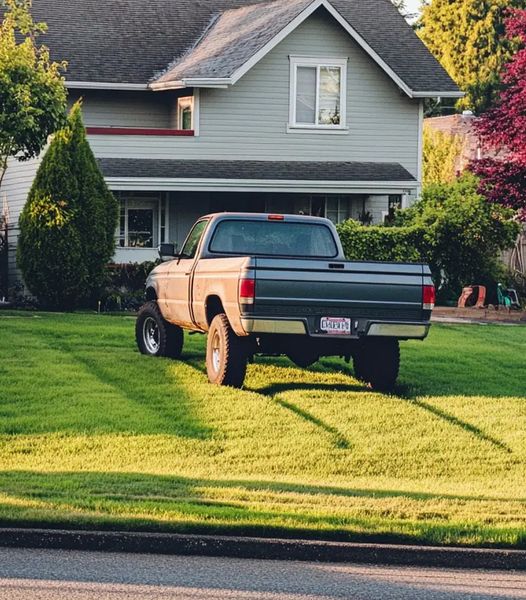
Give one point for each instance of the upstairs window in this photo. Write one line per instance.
(185, 113)
(318, 98)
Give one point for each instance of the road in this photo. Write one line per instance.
(69, 575)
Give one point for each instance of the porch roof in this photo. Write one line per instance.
(232, 170)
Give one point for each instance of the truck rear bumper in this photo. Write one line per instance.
(300, 327)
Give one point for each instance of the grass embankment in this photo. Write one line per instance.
(93, 434)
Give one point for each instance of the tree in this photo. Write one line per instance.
(468, 38)
(32, 91)
(441, 153)
(68, 224)
(502, 129)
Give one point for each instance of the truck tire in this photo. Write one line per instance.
(155, 336)
(377, 362)
(226, 354)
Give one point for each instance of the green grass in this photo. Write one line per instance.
(92, 434)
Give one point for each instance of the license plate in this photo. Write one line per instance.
(336, 325)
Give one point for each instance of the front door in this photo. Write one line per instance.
(178, 293)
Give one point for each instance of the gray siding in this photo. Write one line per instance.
(250, 119)
(16, 185)
(126, 109)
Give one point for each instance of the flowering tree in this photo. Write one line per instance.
(503, 130)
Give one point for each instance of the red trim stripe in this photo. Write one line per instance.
(138, 131)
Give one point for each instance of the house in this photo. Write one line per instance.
(290, 106)
(463, 127)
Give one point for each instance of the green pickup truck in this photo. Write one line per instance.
(262, 284)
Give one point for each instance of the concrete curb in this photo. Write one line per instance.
(266, 549)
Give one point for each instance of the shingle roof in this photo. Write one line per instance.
(254, 169)
(130, 41)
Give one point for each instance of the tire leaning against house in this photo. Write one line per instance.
(155, 336)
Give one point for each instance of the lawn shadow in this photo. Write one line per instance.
(144, 502)
(170, 414)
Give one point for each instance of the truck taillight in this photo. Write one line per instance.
(247, 291)
(429, 297)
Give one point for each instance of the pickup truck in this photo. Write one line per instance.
(261, 284)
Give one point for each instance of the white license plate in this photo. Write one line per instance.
(336, 325)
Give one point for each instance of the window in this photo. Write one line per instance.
(143, 220)
(185, 113)
(394, 205)
(318, 98)
(193, 239)
(273, 238)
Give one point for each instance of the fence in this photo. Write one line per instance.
(515, 258)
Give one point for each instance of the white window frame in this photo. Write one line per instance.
(302, 61)
(134, 200)
(182, 103)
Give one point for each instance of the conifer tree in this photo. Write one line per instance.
(468, 38)
(68, 225)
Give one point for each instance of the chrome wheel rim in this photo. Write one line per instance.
(150, 333)
(216, 352)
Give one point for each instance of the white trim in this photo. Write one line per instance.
(318, 63)
(99, 85)
(197, 112)
(258, 185)
(182, 103)
(458, 94)
(307, 129)
(219, 83)
(420, 147)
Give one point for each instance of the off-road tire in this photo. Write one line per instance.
(226, 354)
(377, 363)
(155, 336)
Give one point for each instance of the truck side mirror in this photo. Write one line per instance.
(167, 251)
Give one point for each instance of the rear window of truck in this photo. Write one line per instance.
(273, 238)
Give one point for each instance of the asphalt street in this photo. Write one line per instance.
(72, 575)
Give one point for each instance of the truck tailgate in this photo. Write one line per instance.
(321, 288)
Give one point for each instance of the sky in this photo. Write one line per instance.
(413, 5)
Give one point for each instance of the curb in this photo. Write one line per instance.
(265, 549)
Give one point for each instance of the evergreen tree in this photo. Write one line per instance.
(468, 38)
(68, 225)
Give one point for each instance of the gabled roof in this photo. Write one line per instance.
(126, 43)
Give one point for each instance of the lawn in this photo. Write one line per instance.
(92, 434)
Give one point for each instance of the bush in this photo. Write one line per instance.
(395, 244)
(125, 284)
(68, 224)
(453, 228)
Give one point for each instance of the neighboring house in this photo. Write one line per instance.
(461, 126)
(291, 106)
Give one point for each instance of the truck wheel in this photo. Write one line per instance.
(377, 362)
(155, 336)
(226, 354)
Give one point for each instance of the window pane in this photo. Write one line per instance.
(140, 228)
(273, 238)
(330, 93)
(186, 118)
(306, 95)
(192, 243)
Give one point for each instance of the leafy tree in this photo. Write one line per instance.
(453, 228)
(68, 224)
(32, 91)
(468, 38)
(502, 129)
(441, 153)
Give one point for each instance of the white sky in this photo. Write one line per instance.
(413, 5)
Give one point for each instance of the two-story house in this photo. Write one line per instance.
(198, 106)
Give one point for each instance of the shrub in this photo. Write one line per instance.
(68, 224)
(453, 228)
(124, 289)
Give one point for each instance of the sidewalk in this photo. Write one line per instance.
(442, 314)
